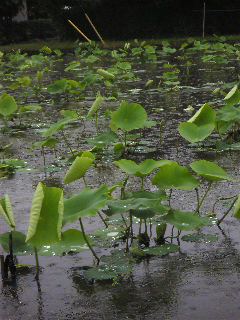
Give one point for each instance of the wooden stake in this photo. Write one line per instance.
(94, 28)
(78, 30)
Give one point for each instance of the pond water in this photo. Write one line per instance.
(202, 281)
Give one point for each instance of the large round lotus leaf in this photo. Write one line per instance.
(86, 204)
(140, 170)
(186, 220)
(193, 133)
(129, 116)
(209, 170)
(175, 176)
(7, 105)
(205, 115)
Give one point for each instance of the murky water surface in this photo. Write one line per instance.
(202, 282)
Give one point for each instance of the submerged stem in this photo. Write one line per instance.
(87, 242)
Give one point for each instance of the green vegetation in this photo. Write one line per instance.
(138, 222)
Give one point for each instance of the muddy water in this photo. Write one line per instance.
(200, 282)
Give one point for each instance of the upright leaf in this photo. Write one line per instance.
(78, 169)
(46, 216)
(7, 212)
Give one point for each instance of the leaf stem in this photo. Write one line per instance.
(204, 196)
(37, 263)
(88, 243)
(227, 212)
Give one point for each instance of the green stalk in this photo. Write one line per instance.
(227, 212)
(37, 264)
(87, 242)
(204, 197)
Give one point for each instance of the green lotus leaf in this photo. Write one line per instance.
(137, 202)
(7, 105)
(209, 170)
(140, 170)
(95, 106)
(193, 133)
(20, 247)
(205, 115)
(175, 176)
(233, 97)
(7, 212)
(72, 241)
(200, 237)
(78, 169)
(128, 117)
(200, 126)
(162, 250)
(186, 220)
(86, 204)
(46, 216)
(59, 86)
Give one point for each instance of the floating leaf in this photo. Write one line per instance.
(161, 250)
(200, 237)
(129, 116)
(175, 176)
(209, 170)
(86, 204)
(46, 216)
